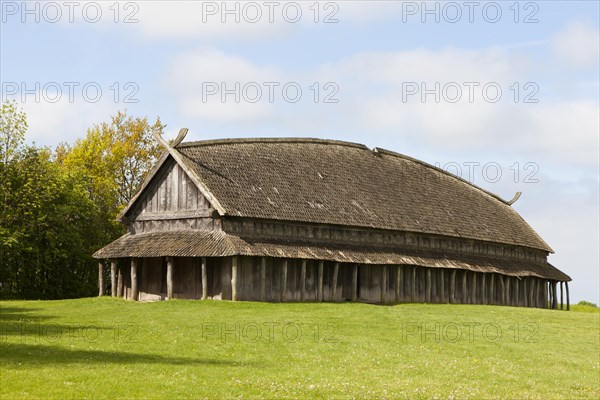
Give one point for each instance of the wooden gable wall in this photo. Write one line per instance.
(172, 201)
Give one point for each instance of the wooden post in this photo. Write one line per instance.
(336, 268)
(170, 278)
(134, 282)
(354, 281)
(517, 291)
(398, 283)
(263, 278)
(119, 282)
(474, 299)
(413, 288)
(452, 286)
(484, 291)
(234, 278)
(428, 286)
(464, 287)
(508, 296)
(303, 280)
(442, 279)
(383, 283)
(502, 290)
(554, 296)
(100, 279)
(320, 285)
(531, 281)
(113, 278)
(284, 280)
(204, 279)
(561, 295)
(568, 303)
(492, 291)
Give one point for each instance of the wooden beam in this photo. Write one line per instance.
(113, 278)
(568, 302)
(100, 279)
(484, 291)
(234, 278)
(336, 268)
(443, 273)
(474, 299)
(517, 292)
(284, 280)
(531, 283)
(464, 296)
(204, 279)
(354, 281)
(119, 282)
(508, 291)
(428, 286)
(320, 284)
(561, 295)
(384, 273)
(554, 296)
(452, 286)
(134, 282)
(263, 278)
(502, 290)
(398, 283)
(492, 289)
(169, 278)
(303, 280)
(413, 286)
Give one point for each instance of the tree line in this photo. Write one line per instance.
(60, 205)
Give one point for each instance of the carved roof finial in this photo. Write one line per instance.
(173, 143)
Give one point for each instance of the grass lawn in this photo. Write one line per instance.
(109, 348)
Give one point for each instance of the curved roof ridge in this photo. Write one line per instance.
(437, 169)
(211, 142)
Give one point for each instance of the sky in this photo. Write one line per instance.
(504, 94)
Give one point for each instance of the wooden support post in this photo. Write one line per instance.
(413, 288)
(568, 302)
(100, 279)
(134, 282)
(508, 291)
(284, 280)
(452, 286)
(354, 281)
(119, 282)
(204, 279)
(234, 278)
(398, 283)
(320, 285)
(554, 296)
(561, 295)
(428, 287)
(336, 269)
(531, 284)
(442, 280)
(517, 293)
(384, 283)
(502, 290)
(484, 291)
(113, 278)
(474, 299)
(464, 298)
(263, 278)
(170, 278)
(303, 280)
(492, 289)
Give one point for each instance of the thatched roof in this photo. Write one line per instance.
(340, 183)
(221, 244)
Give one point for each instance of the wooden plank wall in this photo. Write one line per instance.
(294, 280)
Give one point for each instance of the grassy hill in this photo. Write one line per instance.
(108, 348)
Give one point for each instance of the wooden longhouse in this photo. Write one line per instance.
(321, 220)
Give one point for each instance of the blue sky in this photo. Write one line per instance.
(172, 59)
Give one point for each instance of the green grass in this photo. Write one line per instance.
(108, 348)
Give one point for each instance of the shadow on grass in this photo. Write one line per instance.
(27, 356)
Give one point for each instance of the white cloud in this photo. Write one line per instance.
(578, 45)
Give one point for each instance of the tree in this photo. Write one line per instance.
(13, 125)
(116, 155)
